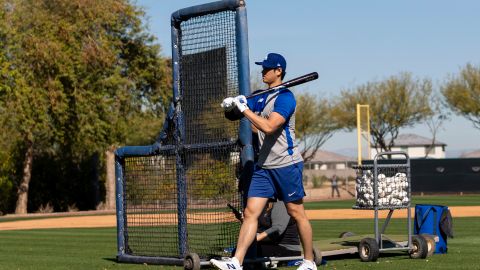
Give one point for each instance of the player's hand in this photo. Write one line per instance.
(241, 103)
(228, 104)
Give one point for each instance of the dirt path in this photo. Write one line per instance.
(457, 211)
(95, 221)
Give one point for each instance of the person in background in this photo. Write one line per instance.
(335, 185)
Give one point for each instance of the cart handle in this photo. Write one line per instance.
(377, 156)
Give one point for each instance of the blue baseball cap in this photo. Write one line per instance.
(274, 60)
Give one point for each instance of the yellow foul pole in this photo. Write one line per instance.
(363, 131)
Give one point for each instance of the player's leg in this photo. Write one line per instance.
(297, 211)
(260, 190)
(247, 234)
(289, 186)
(248, 231)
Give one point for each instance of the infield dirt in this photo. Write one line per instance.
(94, 221)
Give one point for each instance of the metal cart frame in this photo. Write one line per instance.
(384, 167)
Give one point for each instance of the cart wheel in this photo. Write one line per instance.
(191, 262)
(317, 256)
(430, 244)
(368, 250)
(346, 234)
(420, 247)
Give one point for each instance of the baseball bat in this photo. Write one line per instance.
(299, 80)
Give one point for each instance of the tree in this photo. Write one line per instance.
(435, 120)
(396, 102)
(8, 80)
(462, 93)
(313, 124)
(90, 77)
(23, 106)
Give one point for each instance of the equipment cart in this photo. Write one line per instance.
(383, 185)
(386, 185)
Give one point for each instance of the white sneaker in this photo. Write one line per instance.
(307, 265)
(227, 264)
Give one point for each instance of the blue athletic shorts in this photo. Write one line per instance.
(283, 183)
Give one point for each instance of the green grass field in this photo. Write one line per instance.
(96, 248)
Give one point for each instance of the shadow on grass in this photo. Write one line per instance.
(355, 256)
(110, 260)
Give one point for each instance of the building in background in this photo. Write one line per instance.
(417, 146)
(327, 164)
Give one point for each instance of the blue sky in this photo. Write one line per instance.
(352, 42)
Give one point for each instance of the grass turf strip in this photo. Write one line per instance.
(448, 200)
(96, 248)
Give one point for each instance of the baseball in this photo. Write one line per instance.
(391, 190)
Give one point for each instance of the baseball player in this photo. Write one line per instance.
(278, 171)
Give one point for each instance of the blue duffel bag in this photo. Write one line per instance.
(434, 220)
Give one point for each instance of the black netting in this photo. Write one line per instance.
(208, 74)
(151, 205)
(207, 151)
(211, 185)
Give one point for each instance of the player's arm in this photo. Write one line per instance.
(280, 219)
(263, 236)
(231, 111)
(266, 125)
(254, 129)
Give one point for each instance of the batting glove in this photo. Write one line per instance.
(228, 104)
(241, 102)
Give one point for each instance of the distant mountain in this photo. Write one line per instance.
(456, 153)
